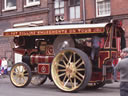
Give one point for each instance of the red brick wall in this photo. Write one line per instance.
(125, 26)
(90, 9)
(24, 19)
(44, 3)
(119, 7)
(0, 7)
(20, 5)
(20, 15)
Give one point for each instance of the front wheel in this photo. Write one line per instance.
(71, 70)
(20, 75)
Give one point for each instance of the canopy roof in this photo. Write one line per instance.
(56, 30)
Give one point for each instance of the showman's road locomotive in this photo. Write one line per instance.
(62, 53)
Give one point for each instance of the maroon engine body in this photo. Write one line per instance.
(38, 58)
(43, 62)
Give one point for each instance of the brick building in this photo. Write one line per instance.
(20, 13)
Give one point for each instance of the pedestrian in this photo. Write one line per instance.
(122, 67)
(4, 66)
(9, 62)
(115, 61)
(0, 66)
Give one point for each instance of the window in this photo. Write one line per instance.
(59, 10)
(10, 4)
(32, 2)
(103, 8)
(74, 9)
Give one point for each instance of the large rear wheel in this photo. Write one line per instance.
(71, 70)
(20, 75)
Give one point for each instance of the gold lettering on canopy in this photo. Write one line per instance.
(56, 32)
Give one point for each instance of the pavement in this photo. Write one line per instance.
(49, 89)
(113, 85)
(110, 85)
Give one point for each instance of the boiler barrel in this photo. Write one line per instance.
(38, 58)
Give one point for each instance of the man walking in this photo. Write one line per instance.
(115, 61)
(122, 67)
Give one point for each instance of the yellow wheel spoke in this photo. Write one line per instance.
(66, 82)
(61, 65)
(20, 68)
(77, 61)
(23, 70)
(17, 69)
(19, 79)
(82, 76)
(64, 63)
(23, 78)
(15, 72)
(70, 58)
(62, 74)
(61, 70)
(65, 57)
(16, 78)
(64, 78)
(74, 82)
(77, 77)
(26, 74)
(80, 64)
(71, 82)
(81, 69)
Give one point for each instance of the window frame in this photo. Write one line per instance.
(59, 8)
(103, 15)
(6, 8)
(75, 13)
(34, 3)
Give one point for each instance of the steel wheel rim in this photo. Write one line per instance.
(19, 75)
(68, 70)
